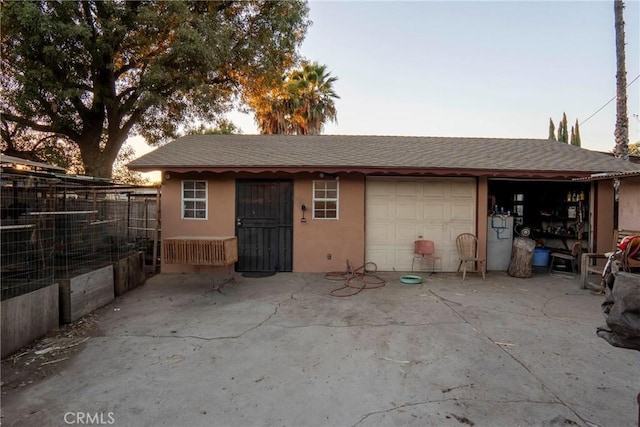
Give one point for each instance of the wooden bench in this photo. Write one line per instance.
(587, 263)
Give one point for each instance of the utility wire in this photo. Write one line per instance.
(608, 102)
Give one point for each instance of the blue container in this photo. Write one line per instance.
(541, 257)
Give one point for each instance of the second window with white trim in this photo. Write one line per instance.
(325, 199)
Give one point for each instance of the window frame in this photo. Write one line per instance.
(325, 199)
(194, 200)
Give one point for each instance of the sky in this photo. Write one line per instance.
(473, 69)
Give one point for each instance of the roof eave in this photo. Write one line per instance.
(609, 175)
(371, 170)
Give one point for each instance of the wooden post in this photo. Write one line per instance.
(156, 232)
(128, 214)
(521, 257)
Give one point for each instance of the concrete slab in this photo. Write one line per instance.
(281, 351)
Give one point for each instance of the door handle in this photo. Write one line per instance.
(239, 222)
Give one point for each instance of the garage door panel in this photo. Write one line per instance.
(404, 234)
(462, 212)
(398, 211)
(450, 260)
(379, 211)
(432, 210)
(380, 257)
(460, 189)
(407, 189)
(403, 259)
(457, 229)
(381, 233)
(435, 233)
(382, 188)
(406, 211)
(434, 189)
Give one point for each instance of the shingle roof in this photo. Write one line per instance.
(377, 154)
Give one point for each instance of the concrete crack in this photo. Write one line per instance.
(543, 314)
(526, 368)
(275, 311)
(395, 408)
(561, 319)
(304, 284)
(393, 319)
(228, 337)
(368, 325)
(456, 399)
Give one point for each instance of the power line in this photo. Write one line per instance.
(608, 102)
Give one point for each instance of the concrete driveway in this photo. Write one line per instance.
(280, 351)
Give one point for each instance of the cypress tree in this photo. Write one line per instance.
(562, 133)
(577, 142)
(572, 138)
(565, 129)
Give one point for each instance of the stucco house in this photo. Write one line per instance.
(310, 203)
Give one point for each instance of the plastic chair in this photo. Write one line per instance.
(424, 249)
(467, 245)
(573, 257)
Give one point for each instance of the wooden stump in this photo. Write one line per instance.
(521, 257)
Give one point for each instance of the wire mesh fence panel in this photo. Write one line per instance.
(143, 228)
(26, 241)
(56, 227)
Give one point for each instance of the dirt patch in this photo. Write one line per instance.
(46, 356)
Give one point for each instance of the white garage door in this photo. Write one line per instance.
(400, 211)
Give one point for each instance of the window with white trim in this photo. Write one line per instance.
(325, 199)
(194, 199)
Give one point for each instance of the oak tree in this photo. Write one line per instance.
(96, 72)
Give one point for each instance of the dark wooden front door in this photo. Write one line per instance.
(264, 225)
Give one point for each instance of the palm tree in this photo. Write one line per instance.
(298, 105)
(311, 90)
(271, 114)
(621, 132)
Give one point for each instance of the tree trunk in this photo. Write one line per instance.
(100, 168)
(621, 132)
(99, 162)
(521, 257)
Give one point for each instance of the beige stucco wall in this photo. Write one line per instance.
(312, 240)
(220, 220)
(342, 238)
(629, 204)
